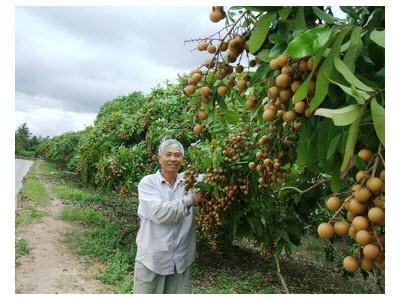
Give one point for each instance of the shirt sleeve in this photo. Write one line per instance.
(159, 211)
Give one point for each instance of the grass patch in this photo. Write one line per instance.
(68, 192)
(34, 190)
(21, 248)
(104, 243)
(86, 216)
(47, 168)
(117, 274)
(27, 216)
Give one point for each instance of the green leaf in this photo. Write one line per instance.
(309, 42)
(300, 21)
(327, 18)
(336, 184)
(333, 144)
(360, 163)
(285, 12)
(378, 117)
(276, 50)
(263, 55)
(302, 91)
(349, 76)
(351, 141)
(325, 71)
(354, 51)
(260, 32)
(340, 116)
(260, 74)
(204, 186)
(378, 37)
(359, 95)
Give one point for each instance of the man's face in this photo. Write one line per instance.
(171, 160)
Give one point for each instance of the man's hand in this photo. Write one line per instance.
(199, 197)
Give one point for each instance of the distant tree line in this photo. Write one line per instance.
(26, 144)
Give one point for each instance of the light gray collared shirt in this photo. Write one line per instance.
(166, 238)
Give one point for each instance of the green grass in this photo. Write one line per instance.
(47, 168)
(116, 273)
(86, 215)
(69, 192)
(34, 190)
(21, 248)
(103, 242)
(28, 215)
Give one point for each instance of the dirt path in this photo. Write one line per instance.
(50, 267)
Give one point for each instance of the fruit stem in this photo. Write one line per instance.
(340, 209)
(223, 39)
(306, 190)
(376, 162)
(377, 239)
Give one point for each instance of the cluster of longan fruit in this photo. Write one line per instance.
(291, 75)
(267, 165)
(365, 218)
(238, 145)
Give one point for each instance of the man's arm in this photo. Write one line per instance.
(162, 212)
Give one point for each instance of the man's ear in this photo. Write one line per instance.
(158, 158)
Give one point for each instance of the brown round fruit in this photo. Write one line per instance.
(361, 175)
(371, 251)
(325, 231)
(367, 264)
(222, 90)
(205, 91)
(310, 63)
(284, 95)
(198, 128)
(351, 264)
(309, 112)
(202, 114)
(217, 15)
(289, 116)
(362, 195)
(273, 92)
(363, 237)
(282, 80)
(365, 154)
(202, 46)
(269, 115)
(273, 64)
(341, 228)
(360, 222)
(333, 203)
(287, 70)
(189, 90)
(379, 201)
(252, 165)
(352, 232)
(382, 175)
(295, 86)
(281, 60)
(376, 215)
(211, 49)
(300, 107)
(374, 184)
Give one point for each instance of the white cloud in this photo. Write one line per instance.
(53, 121)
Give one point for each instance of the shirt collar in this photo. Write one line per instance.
(179, 177)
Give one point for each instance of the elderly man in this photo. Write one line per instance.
(166, 239)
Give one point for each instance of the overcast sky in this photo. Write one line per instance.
(71, 60)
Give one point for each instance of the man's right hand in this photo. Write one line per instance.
(199, 197)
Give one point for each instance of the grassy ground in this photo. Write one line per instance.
(108, 228)
(31, 197)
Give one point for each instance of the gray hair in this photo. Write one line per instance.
(168, 142)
